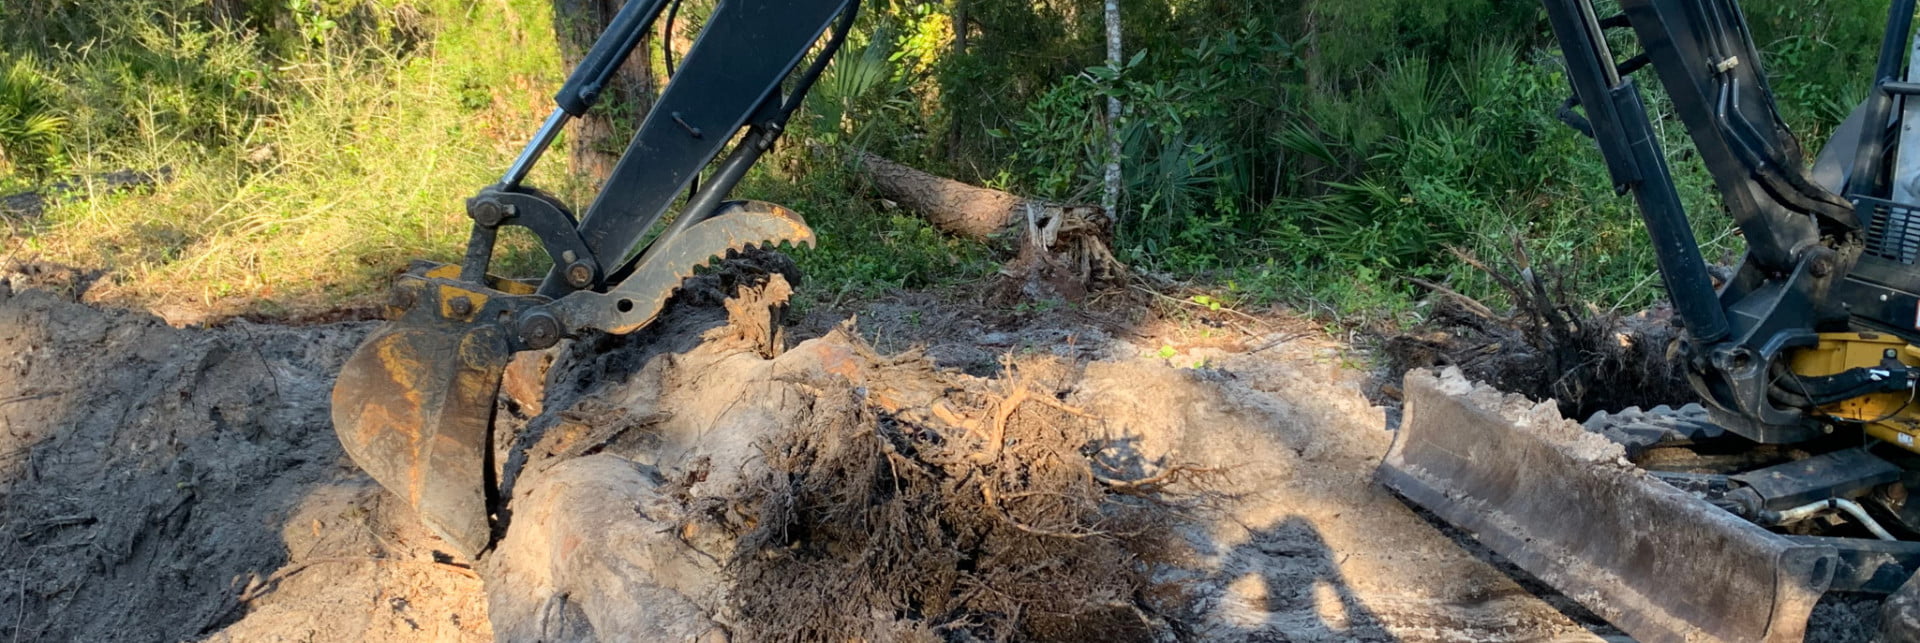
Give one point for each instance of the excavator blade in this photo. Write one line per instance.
(413, 407)
(1565, 505)
(414, 404)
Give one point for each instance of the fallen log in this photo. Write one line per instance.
(1062, 250)
(960, 209)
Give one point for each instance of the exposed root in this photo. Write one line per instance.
(1584, 358)
(1063, 254)
(987, 516)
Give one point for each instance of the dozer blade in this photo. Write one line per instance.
(1567, 507)
(413, 407)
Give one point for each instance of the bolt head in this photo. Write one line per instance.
(489, 212)
(401, 298)
(539, 330)
(579, 275)
(461, 306)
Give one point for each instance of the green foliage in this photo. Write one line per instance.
(30, 127)
(315, 145)
(1820, 56)
(1324, 151)
(1354, 37)
(862, 250)
(859, 81)
(1320, 152)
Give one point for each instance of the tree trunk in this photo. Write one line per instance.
(598, 138)
(1110, 197)
(1061, 250)
(954, 207)
(960, 27)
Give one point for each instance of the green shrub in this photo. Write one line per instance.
(1321, 152)
(31, 128)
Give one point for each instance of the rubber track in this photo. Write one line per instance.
(1639, 430)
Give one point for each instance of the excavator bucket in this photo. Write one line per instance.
(1566, 506)
(414, 404)
(413, 407)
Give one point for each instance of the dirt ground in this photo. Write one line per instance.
(162, 484)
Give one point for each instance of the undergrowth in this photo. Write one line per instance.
(1321, 153)
(1328, 154)
(314, 147)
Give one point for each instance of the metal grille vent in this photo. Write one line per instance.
(1893, 229)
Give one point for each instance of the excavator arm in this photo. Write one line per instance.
(1802, 239)
(1804, 360)
(414, 405)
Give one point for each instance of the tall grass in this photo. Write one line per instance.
(1321, 152)
(314, 147)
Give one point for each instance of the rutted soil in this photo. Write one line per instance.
(157, 484)
(165, 484)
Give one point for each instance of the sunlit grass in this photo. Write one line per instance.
(344, 163)
(316, 148)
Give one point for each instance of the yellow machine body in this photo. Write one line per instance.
(1892, 417)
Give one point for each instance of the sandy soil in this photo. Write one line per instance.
(161, 484)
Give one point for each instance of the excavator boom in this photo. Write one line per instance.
(414, 405)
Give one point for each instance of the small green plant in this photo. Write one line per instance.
(31, 129)
(1036, 306)
(312, 19)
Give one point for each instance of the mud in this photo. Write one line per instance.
(166, 484)
(163, 484)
